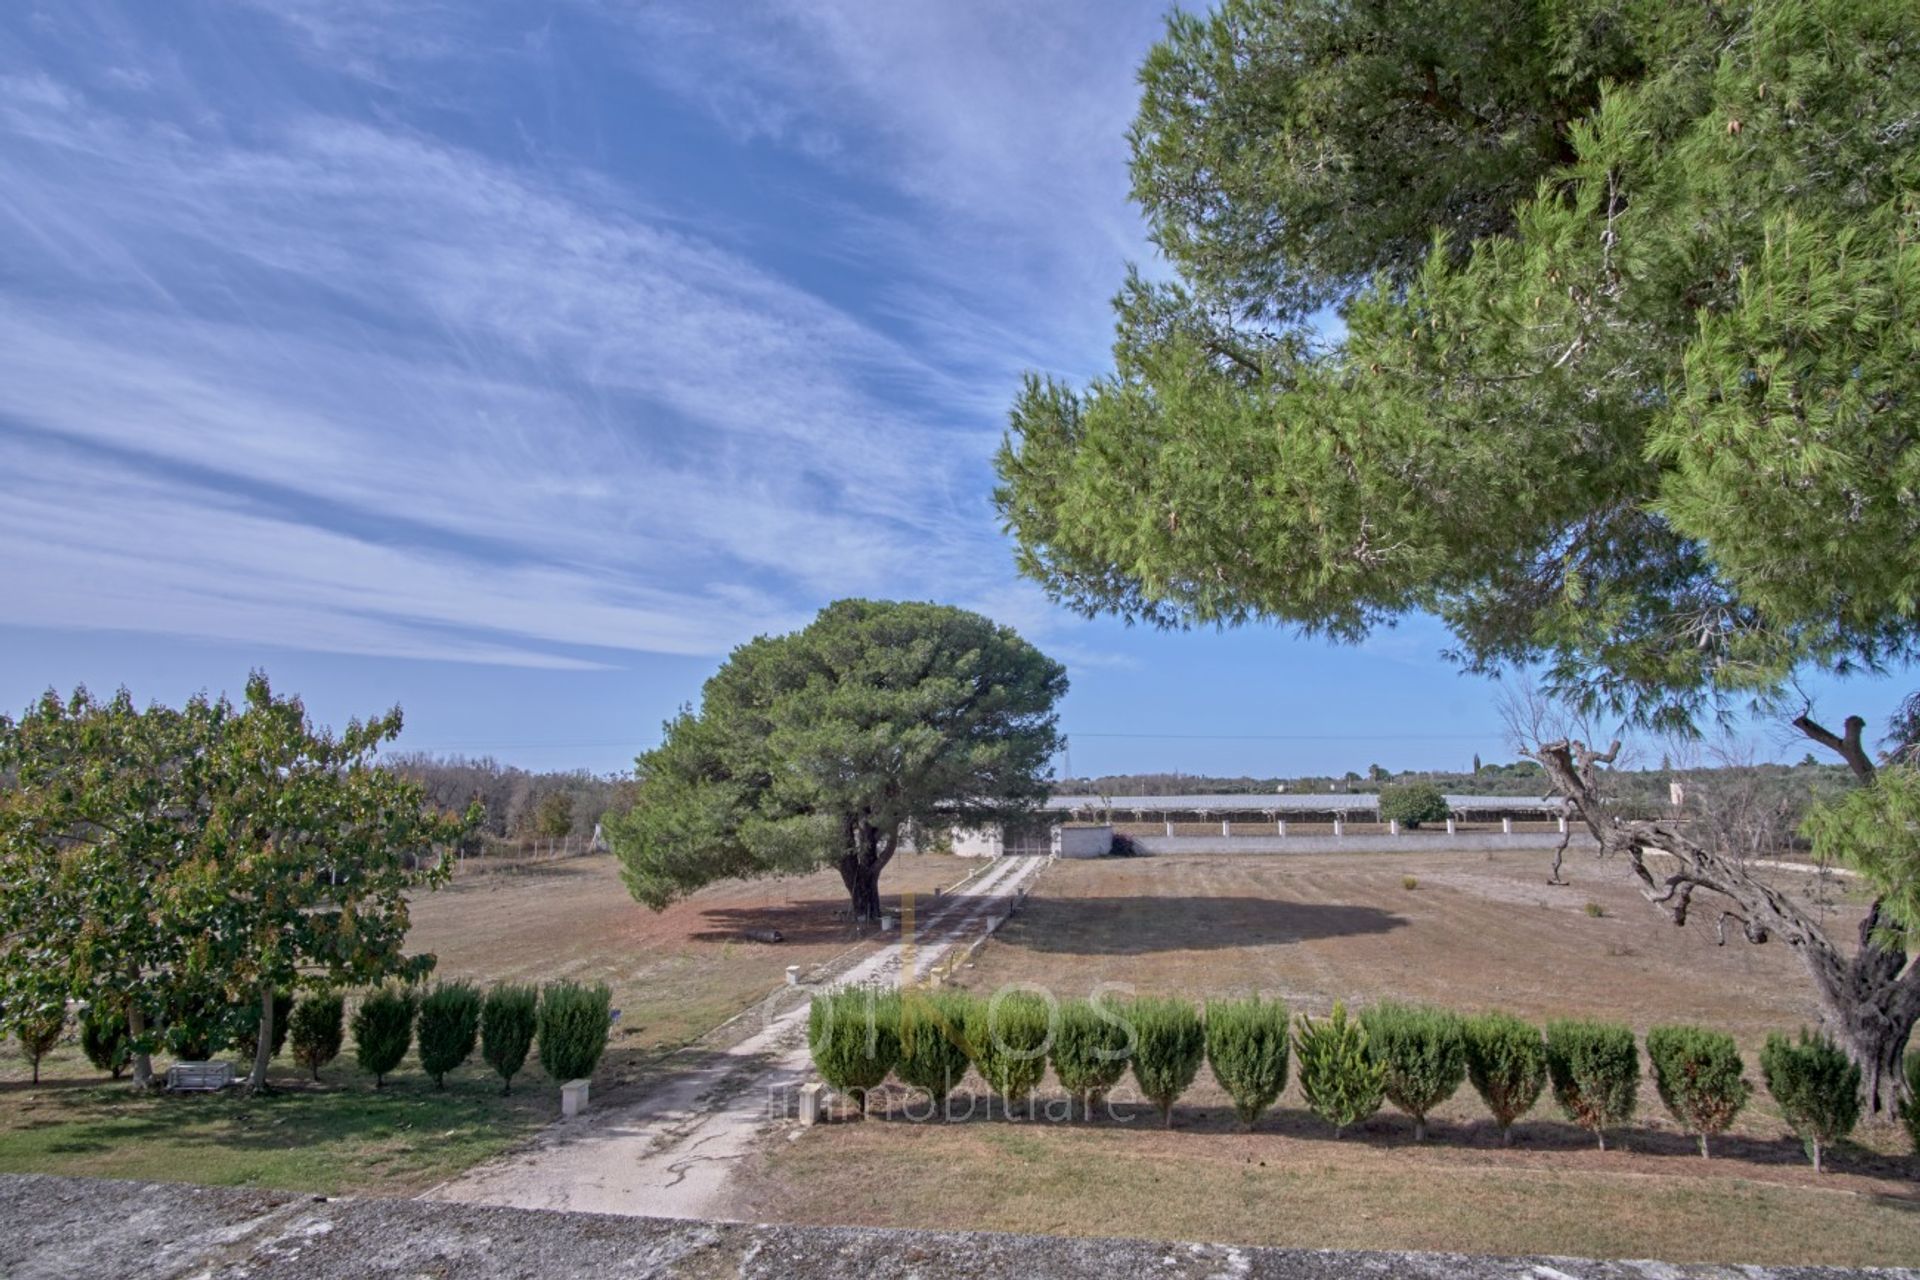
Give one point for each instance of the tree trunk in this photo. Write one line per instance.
(137, 1031)
(863, 887)
(263, 1047)
(1419, 1128)
(1870, 1000)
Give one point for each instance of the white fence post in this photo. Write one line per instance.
(1393, 826)
(1506, 826)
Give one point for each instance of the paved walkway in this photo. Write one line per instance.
(669, 1154)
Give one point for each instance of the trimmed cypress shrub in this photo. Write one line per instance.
(574, 1021)
(1507, 1063)
(1091, 1048)
(1424, 1051)
(1169, 1043)
(508, 1018)
(854, 1036)
(38, 1031)
(1817, 1087)
(1010, 1035)
(933, 1041)
(105, 1040)
(315, 1028)
(1595, 1069)
(382, 1030)
(1247, 1051)
(449, 1023)
(1342, 1081)
(246, 1041)
(1698, 1074)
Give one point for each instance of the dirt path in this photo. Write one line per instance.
(669, 1154)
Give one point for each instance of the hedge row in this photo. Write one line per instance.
(567, 1022)
(1414, 1057)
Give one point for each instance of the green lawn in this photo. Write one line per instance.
(338, 1136)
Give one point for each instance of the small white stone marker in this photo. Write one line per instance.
(813, 1103)
(889, 923)
(573, 1098)
(1450, 826)
(1393, 826)
(793, 975)
(1506, 826)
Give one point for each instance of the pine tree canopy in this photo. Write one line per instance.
(1631, 353)
(827, 745)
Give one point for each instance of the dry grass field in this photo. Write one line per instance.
(1475, 933)
(675, 975)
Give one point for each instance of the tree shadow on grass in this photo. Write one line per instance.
(1135, 926)
(812, 921)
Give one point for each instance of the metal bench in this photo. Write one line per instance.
(199, 1077)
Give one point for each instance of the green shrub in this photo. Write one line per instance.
(508, 1018)
(933, 1041)
(1698, 1074)
(1595, 1069)
(1342, 1081)
(38, 1031)
(200, 1021)
(247, 1040)
(574, 1022)
(854, 1036)
(315, 1028)
(104, 1038)
(1247, 1046)
(1412, 803)
(1910, 1109)
(1010, 1035)
(1817, 1088)
(449, 1024)
(383, 1029)
(1091, 1048)
(1424, 1052)
(1507, 1064)
(1409, 883)
(1169, 1043)
(1595, 910)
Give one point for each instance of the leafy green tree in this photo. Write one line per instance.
(575, 1019)
(1092, 1045)
(100, 838)
(313, 850)
(1424, 1052)
(1009, 1036)
(821, 747)
(1412, 803)
(1595, 1071)
(1623, 385)
(37, 1026)
(448, 1026)
(853, 1036)
(1169, 1043)
(105, 1040)
(1699, 1076)
(553, 817)
(383, 1029)
(933, 1041)
(1817, 1087)
(316, 1030)
(508, 1020)
(1247, 1050)
(1342, 1081)
(1507, 1063)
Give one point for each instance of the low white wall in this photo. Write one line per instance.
(1083, 842)
(1409, 843)
(977, 842)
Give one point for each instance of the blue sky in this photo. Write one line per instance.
(514, 361)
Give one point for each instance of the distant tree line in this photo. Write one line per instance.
(519, 803)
